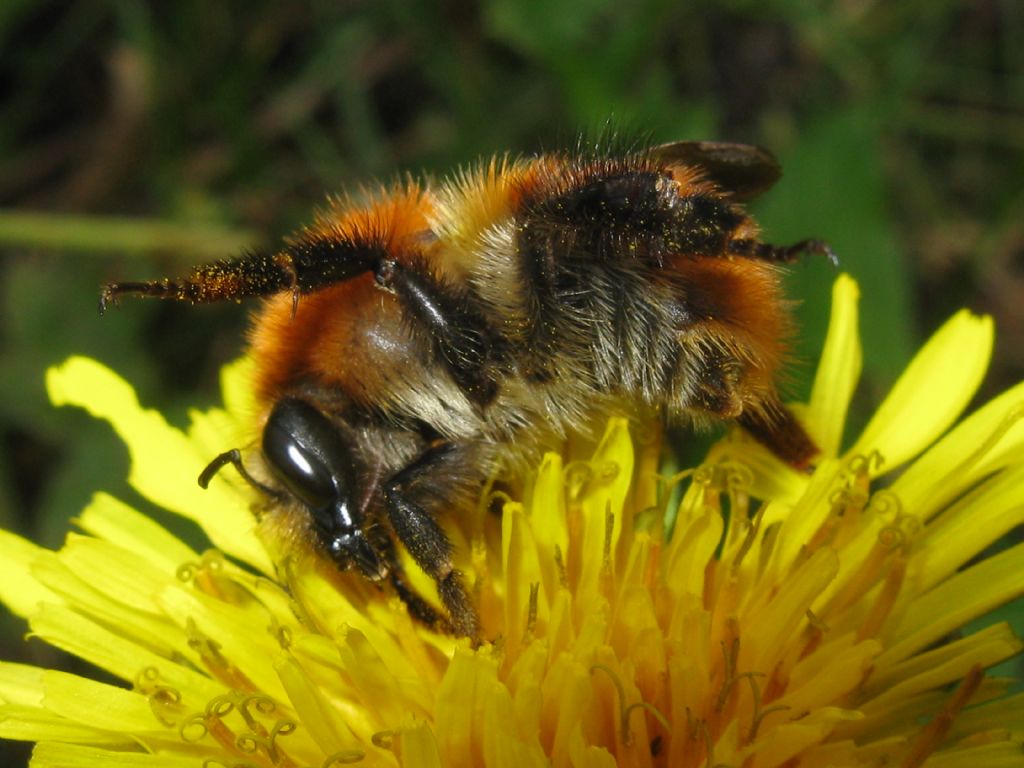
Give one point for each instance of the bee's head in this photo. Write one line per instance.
(310, 458)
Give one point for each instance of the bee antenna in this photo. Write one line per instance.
(234, 458)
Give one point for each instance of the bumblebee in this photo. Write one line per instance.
(408, 346)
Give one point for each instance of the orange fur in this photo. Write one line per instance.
(410, 345)
(747, 304)
(349, 335)
(335, 338)
(391, 217)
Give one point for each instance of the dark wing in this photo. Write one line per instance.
(743, 171)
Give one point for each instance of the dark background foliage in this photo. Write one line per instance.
(138, 138)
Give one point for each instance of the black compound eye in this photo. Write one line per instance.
(308, 456)
(298, 470)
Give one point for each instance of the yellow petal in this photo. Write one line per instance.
(52, 755)
(165, 464)
(120, 655)
(386, 696)
(764, 475)
(583, 755)
(988, 440)
(1003, 714)
(19, 589)
(790, 739)
(236, 386)
(799, 522)
(690, 551)
(461, 702)
(97, 704)
(21, 684)
(29, 724)
(567, 692)
(506, 745)
(602, 502)
(114, 521)
(318, 714)
(942, 665)
(838, 370)
(831, 674)
(138, 620)
(548, 520)
(236, 634)
(781, 618)
(417, 747)
(956, 601)
(117, 574)
(931, 393)
(521, 569)
(216, 430)
(987, 513)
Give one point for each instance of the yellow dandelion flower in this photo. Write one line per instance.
(782, 619)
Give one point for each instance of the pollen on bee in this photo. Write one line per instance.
(414, 341)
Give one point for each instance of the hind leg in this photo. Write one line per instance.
(719, 384)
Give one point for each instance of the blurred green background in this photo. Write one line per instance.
(138, 138)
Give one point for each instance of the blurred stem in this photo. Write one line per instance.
(119, 234)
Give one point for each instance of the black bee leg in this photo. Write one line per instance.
(417, 529)
(304, 266)
(418, 608)
(777, 429)
(460, 332)
(771, 424)
(783, 253)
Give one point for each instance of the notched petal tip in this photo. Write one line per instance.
(932, 392)
(164, 461)
(89, 384)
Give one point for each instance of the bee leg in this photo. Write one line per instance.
(778, 430)
(417, 529)
(305, 266)
(717, 385)
(419, 609)
(769, 421)
(785, 254)
(461, 335)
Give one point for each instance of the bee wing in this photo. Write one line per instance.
(743, 171)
